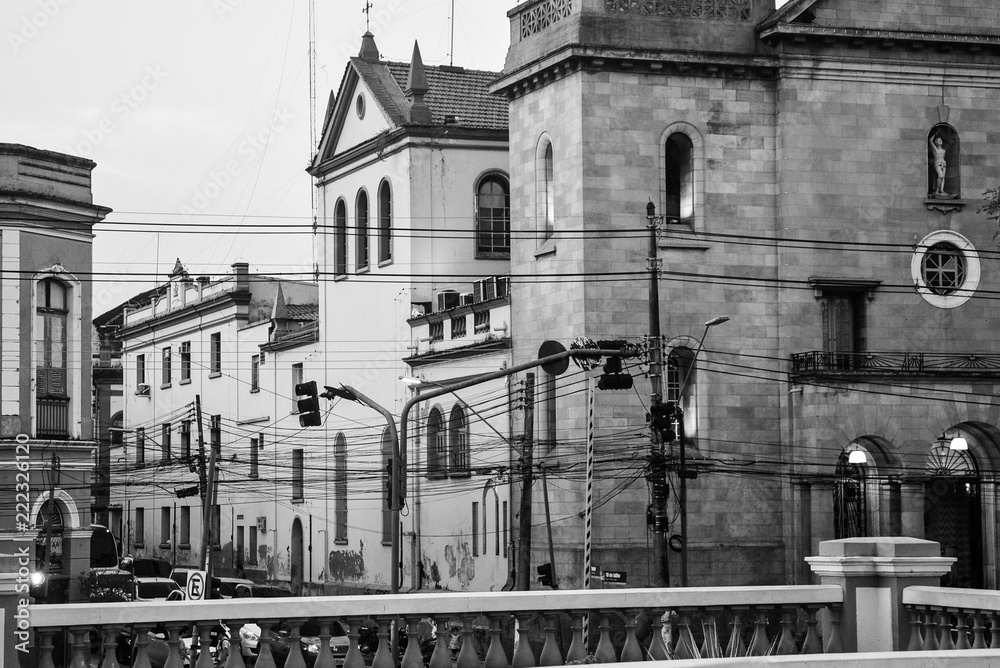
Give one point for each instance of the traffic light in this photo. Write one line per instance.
(388, 483)
(661, 418)
(545, 576)
(613, 378)
(308, 406)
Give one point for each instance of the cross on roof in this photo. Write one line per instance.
(368, 15)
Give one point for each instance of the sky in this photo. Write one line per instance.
(197, 113)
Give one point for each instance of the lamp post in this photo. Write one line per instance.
(682, 472)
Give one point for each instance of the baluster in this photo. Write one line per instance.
(945, 641)
(576, 652)
(550, 656)
(234, 657)
(441, 658)
(786, 642)
(736, 647)
(686, 647)
(916, 634)
(496, 657)
(295, 658)
(354, 658)
(812, 643)
(324, 659)
(962, 629)
(142, 647)
(383, 655)
(658, 649)
(412, 657)
(994, 631)
(759, 644)
(205, 659)
(834, 644)
(605, 652)
(174, 658)
(265, 659)
(45, 647)
(978, 631)
(81, 646)
(930, 632)
(110, 637)
(523, 656)
(632, 651)
(467, 656)
(710, 647)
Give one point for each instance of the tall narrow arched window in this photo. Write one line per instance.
(458, 437)
(679, 179)
(437, 448)
(361, 231)
(850, 499)
(545, 197)
(386, 484)
(340, 488)
(680, 374)
(384, 222)
(51, 371)
(340, 238)
(493, 217)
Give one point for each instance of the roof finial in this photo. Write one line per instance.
(368, 15)
(416, 88)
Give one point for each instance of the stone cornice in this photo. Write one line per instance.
(802, 32)
(212, 305)
(880, 566)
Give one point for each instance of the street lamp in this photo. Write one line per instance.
(682, 473)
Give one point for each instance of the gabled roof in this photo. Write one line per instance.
(457, 97)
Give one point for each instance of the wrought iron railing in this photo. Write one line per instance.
(946, 364)
(52, 418)
(552, 627)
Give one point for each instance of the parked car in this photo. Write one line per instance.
(146, 567)
(154, 589)
(226, 587)
(249, 639)
(260, 591)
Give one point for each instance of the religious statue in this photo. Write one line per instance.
(940, 165)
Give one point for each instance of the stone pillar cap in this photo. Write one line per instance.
(889, 546)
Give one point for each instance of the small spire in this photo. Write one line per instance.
(416, 88)
(369, 51)
(178, 269)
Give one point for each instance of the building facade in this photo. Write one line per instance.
(413, 189)
(47, 215)
(815, 173)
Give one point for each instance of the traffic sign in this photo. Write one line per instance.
(196, 585)
(616, 577)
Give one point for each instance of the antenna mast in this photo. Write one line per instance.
(451, 55)
(312, 107)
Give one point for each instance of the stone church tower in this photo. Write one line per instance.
(815, 172)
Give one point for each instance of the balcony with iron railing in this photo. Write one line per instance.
(825, 363)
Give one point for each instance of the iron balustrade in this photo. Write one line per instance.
(762, 620)
(818, 362)
(52, 418)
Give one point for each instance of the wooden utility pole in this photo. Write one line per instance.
(207, 497)
(548, 526)
(527, 476)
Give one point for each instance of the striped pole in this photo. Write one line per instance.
(588, 515)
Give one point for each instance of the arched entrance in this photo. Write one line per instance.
(296, 557)
(952, 510)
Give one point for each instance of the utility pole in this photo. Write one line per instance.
(548, 526)
(657, 456)
(527, 474)
(207, 498)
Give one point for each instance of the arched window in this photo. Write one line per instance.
(53, 310)
(340, 238)
(545, 196)
(361, 231)
(340, 488)
(944, 156)
(679, 179)
(493, 217)
(680, 374)
(458, 437)
(850, 499)
(437, 448)
(384, 222)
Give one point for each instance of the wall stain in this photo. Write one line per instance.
(347, 565)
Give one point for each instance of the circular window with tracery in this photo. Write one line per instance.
(945, 269)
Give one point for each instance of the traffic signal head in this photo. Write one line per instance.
(545, 575)
(613, 378)
(661, 418)
(308, 404)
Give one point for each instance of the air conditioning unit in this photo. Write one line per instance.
(503, 286)
(465, 298)
(262, 524)
(447, 299)
(142, 390)
(417, 310)
(484, 290)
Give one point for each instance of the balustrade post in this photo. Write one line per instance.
(141, 640)
(234, 659)
(205, 659)
(658, 650)
(110, 638)
(467, 657)
(916, 634)
(441, 658)
(265, 659)
(81, 646)
(962, 631)
(295, 658)
(736, 647)
(324, 659)
(786, 641)
(550, 656)
(945, 641)
(994, 631)
(496, 657)
(686, 647)
(710, 646)
(605, 652)
(812, 643)
(45, 647)
(759, 643)
(873, 573)
(383, 655)
(412, 657)
(978, 631)
(632, 651)
(523, 656)
(930, 631)
(174, 659)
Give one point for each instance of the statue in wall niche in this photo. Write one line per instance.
(943, 163)
(939, 164)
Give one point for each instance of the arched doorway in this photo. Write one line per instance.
(952, 511)
(296, 557)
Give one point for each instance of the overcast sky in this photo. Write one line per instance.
(197, 112)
